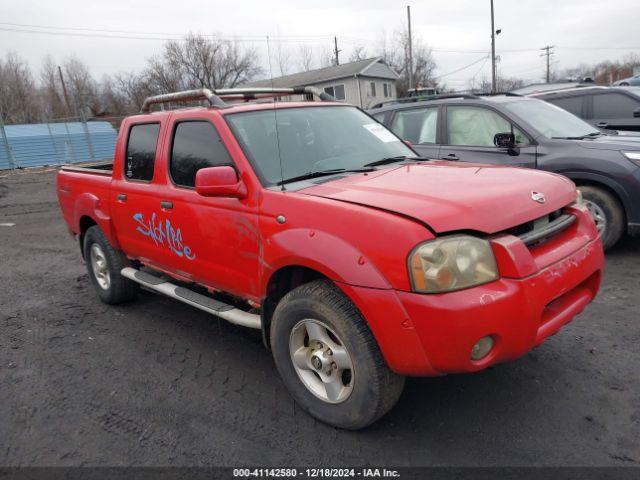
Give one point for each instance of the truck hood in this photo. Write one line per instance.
(450, 196)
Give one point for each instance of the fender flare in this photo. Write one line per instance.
(89, 205)
(604, 180)
(323, 252)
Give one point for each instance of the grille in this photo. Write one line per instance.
(542, 229)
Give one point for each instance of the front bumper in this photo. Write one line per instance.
(427, 335)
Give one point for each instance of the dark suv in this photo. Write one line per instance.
(525, 132)
(614, 108)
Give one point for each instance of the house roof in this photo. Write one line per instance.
(325, 74)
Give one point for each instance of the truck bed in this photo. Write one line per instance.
(97, 168)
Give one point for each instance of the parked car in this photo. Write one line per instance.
(526, 132)
(629, 81)
(360, 263)
(612, 108)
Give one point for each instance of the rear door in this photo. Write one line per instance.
(468, 135)
(419, 126)
(134, 194)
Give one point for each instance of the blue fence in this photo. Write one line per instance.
(41, 144)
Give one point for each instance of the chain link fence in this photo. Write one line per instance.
(57, 141)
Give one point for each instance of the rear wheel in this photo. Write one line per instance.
(104, 264)
(607, 213)
(328, 358)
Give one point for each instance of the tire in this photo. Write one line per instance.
(104, 264)
(368, 389)
(624, 84)
(602, 203)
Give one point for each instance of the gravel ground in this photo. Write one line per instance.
(156, 382)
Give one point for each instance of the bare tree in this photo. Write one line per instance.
(358, 53)
(202, 62)
(395, 54)
(305, 54)
(51, 96)
(503, 84)
(81, 86)
(124, 93)
(326, 57)
(283, 58)
(18, 103)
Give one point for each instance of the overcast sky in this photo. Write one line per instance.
(457, 30)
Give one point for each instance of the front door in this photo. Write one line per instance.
(468, 137)
(216, 240)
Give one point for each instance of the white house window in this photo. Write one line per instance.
(386, 90)
(336, 91)
(372, 89)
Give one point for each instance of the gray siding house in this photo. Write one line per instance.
(362, 83)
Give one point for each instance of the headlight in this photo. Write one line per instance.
(633, 156)
(451, 263)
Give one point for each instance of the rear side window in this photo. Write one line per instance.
(416, 125)
(196, 145)
(141, 151)
(570, 104)
(614, 105)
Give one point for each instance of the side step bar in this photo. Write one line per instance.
(210, 305)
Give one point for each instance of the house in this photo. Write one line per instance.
(363, 83)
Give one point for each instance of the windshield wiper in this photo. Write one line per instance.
(387, 160)
(591, 135)
(321, 173)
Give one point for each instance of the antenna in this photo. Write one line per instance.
(275, 117)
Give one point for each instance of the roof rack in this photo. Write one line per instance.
(424, 98)
(215, 97)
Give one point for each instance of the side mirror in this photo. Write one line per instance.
(636, 113)
(408, 143)
(504, 140)
(220, 182)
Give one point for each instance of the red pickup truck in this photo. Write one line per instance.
(360, 262)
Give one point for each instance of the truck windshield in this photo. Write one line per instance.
(549, 120)
(309, 140)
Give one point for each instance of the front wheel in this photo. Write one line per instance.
(607, 213)
(329, 359)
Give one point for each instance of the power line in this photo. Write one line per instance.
(462, 68)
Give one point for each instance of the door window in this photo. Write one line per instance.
(476, 126)
(141, 151)
(614, 105)
(416, 125)
(196, 145)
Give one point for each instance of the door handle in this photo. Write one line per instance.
(451, 156)
(602, 124)
(122, 197)
(166, 205)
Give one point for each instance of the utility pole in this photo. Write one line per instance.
(548, 51)
(64, 90)
(493, 53)
(410, 48)
(335, 50)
